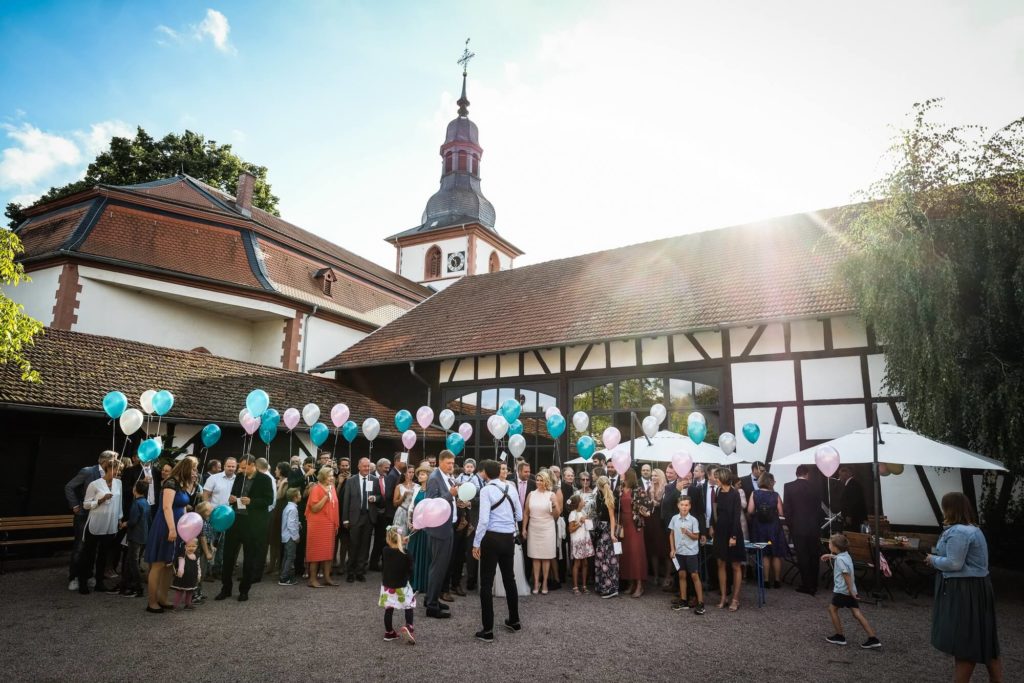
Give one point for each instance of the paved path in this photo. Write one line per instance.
(297, 633)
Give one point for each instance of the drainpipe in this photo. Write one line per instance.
(412, 371)
(305, 335)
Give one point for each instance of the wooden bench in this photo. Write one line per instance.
(26, 528)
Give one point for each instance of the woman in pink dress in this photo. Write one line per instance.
(635, 507)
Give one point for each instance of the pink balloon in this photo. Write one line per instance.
(552, 410)
(611, 438)
(620, 458)
(250, 424)
(682, 463)
(424, 416)
(827, 460)
(339, 414)
(465, 431)
(408, 439)
(190, 526)
(291, 418)
(431, 513)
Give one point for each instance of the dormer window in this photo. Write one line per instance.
(326, 278)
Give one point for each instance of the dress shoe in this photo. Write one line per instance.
(242, 597)
(513, 626)
(350, 579)
(223, 595)
(457, 590)
(443, 607)
(485, 636)
(447, 597)
(438, 614)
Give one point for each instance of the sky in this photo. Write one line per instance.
(602, 123)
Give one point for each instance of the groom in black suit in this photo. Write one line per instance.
(361, 505)
(801, 503)
(441, 484)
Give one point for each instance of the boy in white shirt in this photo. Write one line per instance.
(684, 540)
(289, 536)
(844, 593)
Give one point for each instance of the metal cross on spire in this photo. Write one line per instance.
(466, 56)
(464, 61)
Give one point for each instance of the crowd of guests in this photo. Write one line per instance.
(594, 529)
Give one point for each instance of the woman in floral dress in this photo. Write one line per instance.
(606, 562)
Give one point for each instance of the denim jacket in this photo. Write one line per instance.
(961, 552)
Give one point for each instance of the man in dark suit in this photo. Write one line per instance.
(251, 497)
(387, 515)
(361, 505)
(801, 504)
(854, 508)
(749, 482)
(74, 492)
(441, 484)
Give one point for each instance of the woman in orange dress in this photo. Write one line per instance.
(321, 527)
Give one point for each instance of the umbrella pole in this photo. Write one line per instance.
(875, 485)
(632, 441)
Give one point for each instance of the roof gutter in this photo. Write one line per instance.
(412, 371)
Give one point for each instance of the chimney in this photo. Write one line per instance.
(243, 195)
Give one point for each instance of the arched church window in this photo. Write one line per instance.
(433, 264)
(462, 161)
(493, 263)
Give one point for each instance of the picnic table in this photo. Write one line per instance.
(758, 550)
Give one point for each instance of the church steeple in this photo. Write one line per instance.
(464, 61)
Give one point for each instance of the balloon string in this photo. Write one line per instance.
(113, 436)
(123, 448)
(335, 449)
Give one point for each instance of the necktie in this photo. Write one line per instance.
(381, 486)
(362, 488)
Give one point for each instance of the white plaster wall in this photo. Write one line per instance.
(268, 342)
(413, 257)
(904, 500)
(483, 257)
(806, 335)
(832, 378)
(756, 382)
(655, 351)
(509, 365)
(553, 359)
(772, 341)
(325, 340)
(465, 370)
(486, 367)
(623, 353)
(530, 364)
(573, 355)
(184, 432)
(788, 442)
(829, 422)
(848, 332)
(127, 314)
(739, 337)
(596, 359)
(876, 373)
(763, 418)
(37, 296)
(712, 343)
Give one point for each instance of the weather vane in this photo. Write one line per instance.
(466, 56)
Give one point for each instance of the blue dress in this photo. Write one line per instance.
(762, 532)
(158, 548)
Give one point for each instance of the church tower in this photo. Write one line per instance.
(456, 235)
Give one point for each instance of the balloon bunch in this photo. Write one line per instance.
(115, 405)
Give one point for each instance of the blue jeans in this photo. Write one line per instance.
(288, 560)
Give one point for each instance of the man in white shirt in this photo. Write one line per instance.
(645, 477)
(217, 491)
(494, 546)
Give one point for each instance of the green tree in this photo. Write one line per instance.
(17, 330)
(937, 268)
(143, 159)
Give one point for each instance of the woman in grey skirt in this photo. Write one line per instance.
(963, 617)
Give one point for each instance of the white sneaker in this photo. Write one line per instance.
(73, 585)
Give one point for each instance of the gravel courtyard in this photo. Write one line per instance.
(295, 633)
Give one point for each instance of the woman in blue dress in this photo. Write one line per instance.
(163, 534)
(765, 509)
(419, 544)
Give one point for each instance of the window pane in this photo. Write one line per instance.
(599, 423)
(468, 404)
(545, 401)
(641, 394)
(679, 392)
(603, 395)
(506, 393)
(706, 395)
(530, 405)
(582, 401)
(489, 399)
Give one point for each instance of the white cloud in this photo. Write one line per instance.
(215, 27)
(26, 199)
(97, 138)
(34, 155)
(167, 35)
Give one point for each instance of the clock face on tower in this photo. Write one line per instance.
(456, 261)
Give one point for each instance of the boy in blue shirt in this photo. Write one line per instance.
(290, 532)
(136, 534)
(845, 593)
(684, 535)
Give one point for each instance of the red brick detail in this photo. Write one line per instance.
(68, 289)
(471, 256)
(292, 339)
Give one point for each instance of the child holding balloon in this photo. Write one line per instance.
(187, 574)
(395, 588)
(206, 547)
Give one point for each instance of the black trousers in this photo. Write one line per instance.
(458, 561)
(344, 544)
(360, 534)
(252, 544)
(437, 575)
(497, 550)
(81, 517)
(378, 540)
(93, 557)
(808, 560)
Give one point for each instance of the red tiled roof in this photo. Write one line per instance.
(48, 232)
(775, 269)
(79, 369)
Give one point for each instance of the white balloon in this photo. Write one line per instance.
(517, 444)
(498, 426)
(727, 442)
(130, 421)
(659, 412)
(146, 400)
(371, 428)
(551, 410)
(446, 418)
(696, 417)
(650, 426)
(310, 414)
(242, 415)
(580, 421)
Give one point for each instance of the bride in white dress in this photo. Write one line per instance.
(519, 563)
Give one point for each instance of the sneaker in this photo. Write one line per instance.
(679, 606)
(836, 639)
(485, 636)
(113, 590)
(73, 585)
(610, 595)
(92, 583)
(871, 644)
(390, 635)
(700, 609)
(288, 582)
(513, 627)
(407, 633)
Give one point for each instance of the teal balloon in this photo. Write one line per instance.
(270, 416)
(403, 420)
(114, 404)
(318, 433)
(455, 443)
(556, 426)
(697, 431)
(752, 432)
(515, 427)
(257, 402)
(350, 430)
(149, 450)
(510, 410)
(163, 401)
(210, 435)
(268, 430)
(222, 518)
(585, 446)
